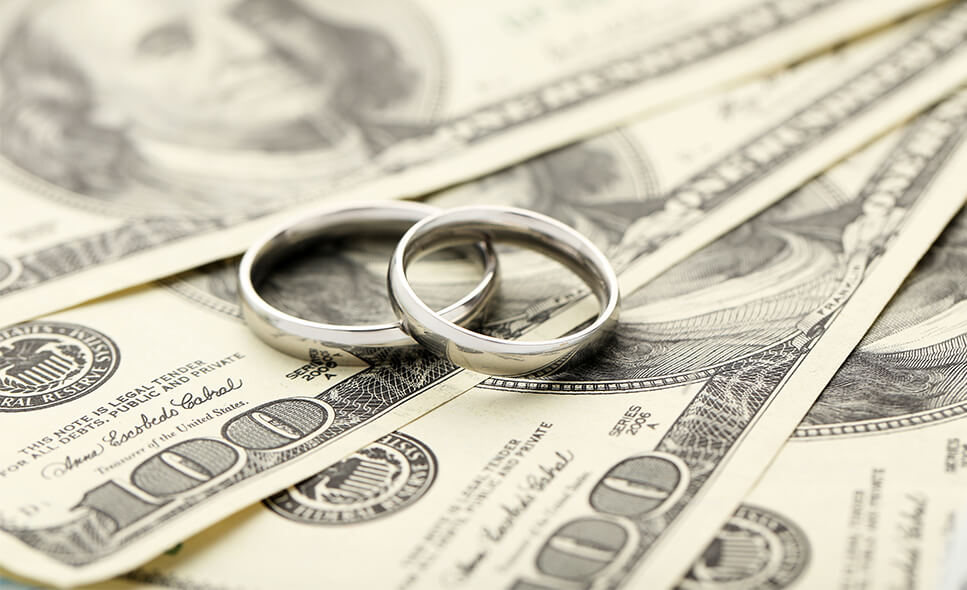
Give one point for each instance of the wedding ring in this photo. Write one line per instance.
(297, 336)
(484, 354)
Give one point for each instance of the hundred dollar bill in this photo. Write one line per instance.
(113, 515)
(145, 137)
(617, 471)
(136, 421)
(866, 493)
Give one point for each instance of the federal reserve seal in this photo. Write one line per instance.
(43, 364)
(378, 480)
(756, 549)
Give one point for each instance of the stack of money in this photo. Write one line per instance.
(776, 182)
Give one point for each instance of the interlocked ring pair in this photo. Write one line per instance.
(442, 332)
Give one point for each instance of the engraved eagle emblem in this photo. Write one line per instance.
(736, 554)
(363, 476)
(30, 362)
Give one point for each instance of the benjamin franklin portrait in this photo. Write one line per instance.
(742, 293)
(207, 104)
(913, 358)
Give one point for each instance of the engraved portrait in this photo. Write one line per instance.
(913, 361)
(240, 105)
(739, 295)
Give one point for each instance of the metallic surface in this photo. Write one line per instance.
(297, 336)
(482, 353)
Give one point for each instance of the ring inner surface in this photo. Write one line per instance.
(294, 242)
(573, 259)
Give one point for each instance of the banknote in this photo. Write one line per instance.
(79, 536)
(142, 138)
(882, 453)
(580, 479)
(165, 386)
(614, 189)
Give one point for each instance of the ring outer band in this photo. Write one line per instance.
(298, 337)
(485, 354)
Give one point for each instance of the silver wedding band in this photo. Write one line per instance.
(441, 332)
(297, 336)
(484, 354)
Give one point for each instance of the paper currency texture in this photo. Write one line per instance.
(581, 479)
(98, 416)
(99, 380)
(881, 453)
